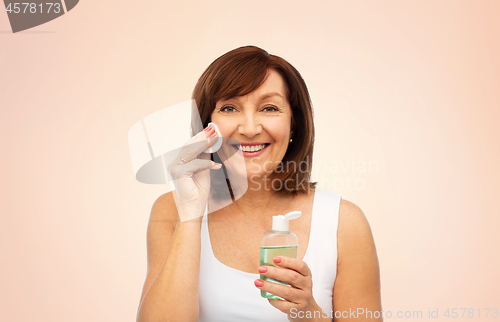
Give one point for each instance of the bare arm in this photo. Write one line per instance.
(170, 291)
(357, 286)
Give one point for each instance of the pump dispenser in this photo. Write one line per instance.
(278, 242)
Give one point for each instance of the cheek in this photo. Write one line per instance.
(226, 127)
(280, 131)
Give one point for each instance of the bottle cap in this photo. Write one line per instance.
(214, 148)
(281, 222)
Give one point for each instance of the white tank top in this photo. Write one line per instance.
(229, 295)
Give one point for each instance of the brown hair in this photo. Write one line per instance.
(241, 71)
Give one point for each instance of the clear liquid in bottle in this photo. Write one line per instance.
(266, 259)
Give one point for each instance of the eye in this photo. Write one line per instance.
(227, 108)
(270, 108)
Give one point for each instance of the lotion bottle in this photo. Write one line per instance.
(278, 242)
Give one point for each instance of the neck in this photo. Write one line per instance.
(259, 199)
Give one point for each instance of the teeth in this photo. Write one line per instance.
(252, 148)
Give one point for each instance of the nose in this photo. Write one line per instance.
(249, 125)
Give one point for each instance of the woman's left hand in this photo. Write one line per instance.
(298, 298)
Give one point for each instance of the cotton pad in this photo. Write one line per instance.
(214, 148)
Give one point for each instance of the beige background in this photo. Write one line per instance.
(411, 86)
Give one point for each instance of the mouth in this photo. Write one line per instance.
(251, 149)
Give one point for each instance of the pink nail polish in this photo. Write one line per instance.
(262, 269)
(259, 283)
(216, 166)
(277, 259)
(208, 128)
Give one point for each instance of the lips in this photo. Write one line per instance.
(251, 149)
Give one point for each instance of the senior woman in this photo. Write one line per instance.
(204, 265)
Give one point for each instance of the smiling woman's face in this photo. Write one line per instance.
(261, 122)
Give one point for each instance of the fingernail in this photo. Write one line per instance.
(208, 128)
(277, 259)
(216, 165)
(262, 269)
(259, 283)
(214, 134)
(209, 133)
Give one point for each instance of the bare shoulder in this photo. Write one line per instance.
(354, 232)
(164, 210)
(358, 275)
(351, 218)
(161, 227)
(350, 215)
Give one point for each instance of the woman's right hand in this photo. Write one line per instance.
(191, 175)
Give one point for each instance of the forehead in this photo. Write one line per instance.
(274, 82)
(273, 88)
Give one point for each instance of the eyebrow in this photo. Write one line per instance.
(262, 97)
